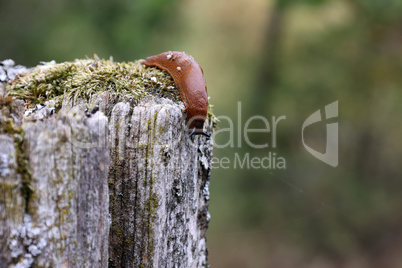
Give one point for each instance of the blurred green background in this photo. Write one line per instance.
(275, 57)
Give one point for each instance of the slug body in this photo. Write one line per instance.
(188, 76)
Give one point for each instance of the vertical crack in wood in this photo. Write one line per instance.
(136, 188)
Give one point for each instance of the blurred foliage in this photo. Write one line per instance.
(355, 207)
(279, 57)
(64, 30)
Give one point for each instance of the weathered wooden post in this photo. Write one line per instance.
(97, 170)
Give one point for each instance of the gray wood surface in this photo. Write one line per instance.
(121, 187)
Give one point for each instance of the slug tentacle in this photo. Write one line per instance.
(188, 76)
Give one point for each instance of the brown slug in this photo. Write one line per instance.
(188, 76)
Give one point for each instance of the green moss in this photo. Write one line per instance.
(151, 203)
(115, 227)
(7, 126)
(212, 119)
(82, 79)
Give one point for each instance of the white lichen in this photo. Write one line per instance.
(25, 243)
(5, 162)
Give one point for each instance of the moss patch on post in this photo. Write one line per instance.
(82, 79)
